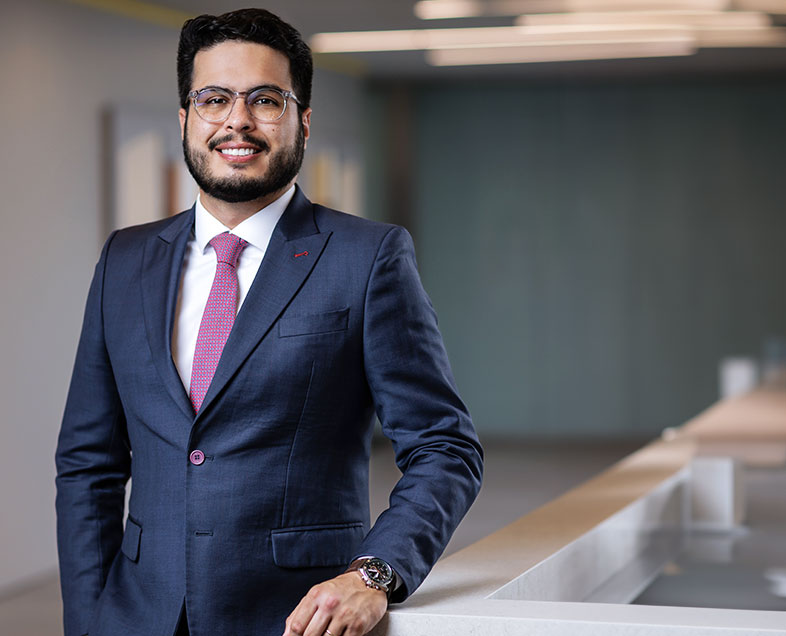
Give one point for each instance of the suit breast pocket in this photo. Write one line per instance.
(311, 324)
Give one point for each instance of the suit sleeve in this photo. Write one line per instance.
(417, 403)
(93, 465)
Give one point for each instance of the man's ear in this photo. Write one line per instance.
(306, 119)
(183, 116)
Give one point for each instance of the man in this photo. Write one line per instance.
(230, 362)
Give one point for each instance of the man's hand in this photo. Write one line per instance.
(344, 606)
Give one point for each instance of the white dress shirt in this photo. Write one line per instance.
(199, 269)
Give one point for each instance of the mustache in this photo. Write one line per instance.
(245, 138)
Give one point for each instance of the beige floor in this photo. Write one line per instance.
(518, 478)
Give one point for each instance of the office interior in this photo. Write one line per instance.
(596, 236)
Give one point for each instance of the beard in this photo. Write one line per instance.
(283, 167)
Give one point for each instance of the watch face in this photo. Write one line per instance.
(378, 571)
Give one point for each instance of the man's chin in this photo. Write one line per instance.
(236, 193)
(243, 183)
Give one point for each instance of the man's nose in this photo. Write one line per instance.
(239, 117)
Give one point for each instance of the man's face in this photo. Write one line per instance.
(277, 147)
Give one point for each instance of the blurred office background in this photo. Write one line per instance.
(595, 235)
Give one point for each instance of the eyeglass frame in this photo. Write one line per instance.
(287, 95)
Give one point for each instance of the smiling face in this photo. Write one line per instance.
(241, 159)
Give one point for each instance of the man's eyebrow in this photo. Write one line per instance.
(267, 86)
(250, 90)
(212, 86)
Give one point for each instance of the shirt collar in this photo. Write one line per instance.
(256, 229)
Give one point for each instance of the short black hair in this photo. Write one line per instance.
(248, 25)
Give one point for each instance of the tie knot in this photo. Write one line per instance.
(228, 247)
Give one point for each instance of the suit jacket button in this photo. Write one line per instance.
(197, 457)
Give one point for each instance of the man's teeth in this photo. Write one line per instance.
(238, 152)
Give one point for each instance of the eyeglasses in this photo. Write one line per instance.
(265, 104)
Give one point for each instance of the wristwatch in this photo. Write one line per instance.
(376, 573)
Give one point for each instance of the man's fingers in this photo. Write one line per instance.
(343, 606)
(334, 629)
(298, 620)
(327, 600)
(320, 622)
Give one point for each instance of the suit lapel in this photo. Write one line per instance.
(161, 265)
(294, 249)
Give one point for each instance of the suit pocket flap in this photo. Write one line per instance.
(131, 538)
(316, 546)
(313, 323)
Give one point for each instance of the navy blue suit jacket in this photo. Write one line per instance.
(335, 327)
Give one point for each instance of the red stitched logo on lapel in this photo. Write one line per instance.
(301, 254)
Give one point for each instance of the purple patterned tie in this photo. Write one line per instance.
(219, 315)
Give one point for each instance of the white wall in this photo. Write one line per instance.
(61, 65)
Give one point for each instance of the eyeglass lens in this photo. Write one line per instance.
(264, 104)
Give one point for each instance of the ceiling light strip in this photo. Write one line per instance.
(750, 30)
(442, 9)
(424, 39)
(562, 52)
(688, 18)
